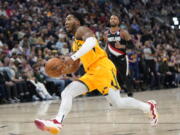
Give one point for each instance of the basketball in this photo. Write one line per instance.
(54, 67)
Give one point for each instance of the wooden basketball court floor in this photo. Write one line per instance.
(93, 116)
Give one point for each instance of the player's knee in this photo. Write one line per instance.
(69, 91)
(66, 93)
(115, 103)
(74, 89)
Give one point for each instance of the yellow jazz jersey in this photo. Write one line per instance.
(90, 57)
(100, 71)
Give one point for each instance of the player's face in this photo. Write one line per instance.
(70, 23)
(114, 21)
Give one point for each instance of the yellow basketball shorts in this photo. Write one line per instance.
(101, 76)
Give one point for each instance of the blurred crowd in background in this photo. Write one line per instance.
(32, 31)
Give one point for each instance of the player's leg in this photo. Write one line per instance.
(54, 126)
(131, 103)
(73, 90)
(126, 102)
(123, 75)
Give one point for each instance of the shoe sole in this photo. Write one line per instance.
(40, 125)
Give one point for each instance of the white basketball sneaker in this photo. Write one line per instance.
(52, 126)
(153, 112)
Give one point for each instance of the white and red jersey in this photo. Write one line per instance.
(112, 38)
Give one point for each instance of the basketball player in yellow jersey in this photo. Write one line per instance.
(100, 74)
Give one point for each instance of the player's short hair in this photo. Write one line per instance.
(78, 16)
(114, 14)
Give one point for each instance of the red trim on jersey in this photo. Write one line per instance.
(116, 50)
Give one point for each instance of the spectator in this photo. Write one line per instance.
(149, 53)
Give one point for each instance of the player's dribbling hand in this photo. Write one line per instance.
(70, 65)
(68, 60)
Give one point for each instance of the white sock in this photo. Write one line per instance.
(73, 90)
(126, 102)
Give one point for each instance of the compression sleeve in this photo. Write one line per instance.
(86, 47)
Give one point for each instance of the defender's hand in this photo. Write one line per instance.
(118, 45)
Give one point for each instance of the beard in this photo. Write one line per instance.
(113, 25)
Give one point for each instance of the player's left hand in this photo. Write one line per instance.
(70, 65)
(68, 60)
(119, 46)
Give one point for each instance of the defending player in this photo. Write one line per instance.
(118, 41)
